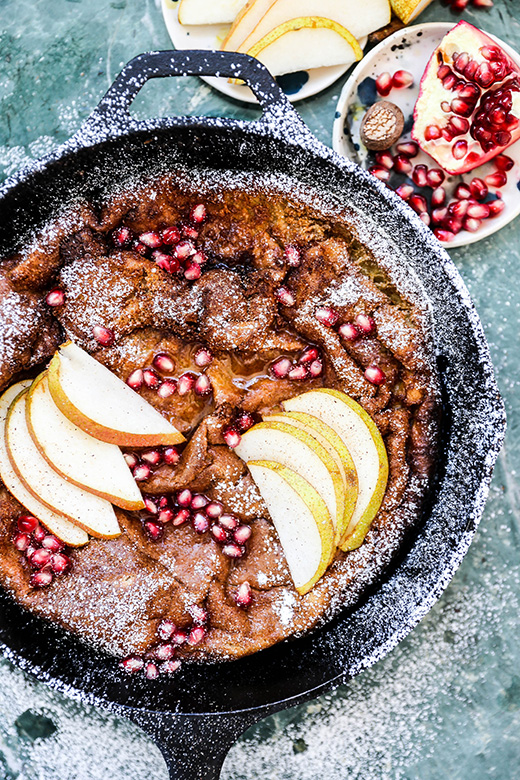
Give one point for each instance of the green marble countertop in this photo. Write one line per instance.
(446, 701)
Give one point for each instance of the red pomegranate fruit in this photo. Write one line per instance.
(468, 109)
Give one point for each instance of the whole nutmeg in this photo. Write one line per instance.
(382, 125)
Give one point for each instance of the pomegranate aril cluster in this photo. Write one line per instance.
(157, 376)
(172, 248)
(143, 464)
(460, 5)
(308, 365)
(386, 82)
(43, 551)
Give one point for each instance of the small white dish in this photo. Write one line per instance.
(296, 86)
(410, 49)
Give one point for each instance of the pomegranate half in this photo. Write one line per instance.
(468, 109)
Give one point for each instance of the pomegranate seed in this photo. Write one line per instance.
(298, 373)
(444, 235)
(435, 177)
(152, 457)
(503, 162)
(198, 213)
(171, 456)
(478, 210)
(439, 215)
(199, 258)
(459, 149)
(292, 255)
(220, 534)
(231, 436)
(309, 354)
(326, 316)
(281, 367)
(184, 497)
(453, 224)
(22, 541)
(425, 217)
(163, 363)
(244, 421)
(60, 564)
(496, 207)
(203, 385)
(199, 501)
(471, 224)
(165, 629)
(203, 358)
(174, 265)
(151, 379)
(348, 331)
(184, 249)
(196, 635)
(404, 191)
(136, 379)
(463, 108)
(190, 232)
(132, 664)
(402, 79)
(55, 297)
(185, 383)
(179, 637)
(365, 324)
(285, 296)
(432, 133)
(103, 336)
(141, 472)
(167, 389)
(232, 551)
(316, 368)
(39, 534)
(438, 197)
(478, 189)
(151, 672)
(419, 175)
(163, 502)
(460, 61)
(484, 75)
(150, 506)
(170, 235)
(192, 271)
(243, 595)
(418, 203)
(462, 192)
(41, 579)
(497, 179)
(170, 667)
(229, 521)
(164, 652)
(153, 530)
(181, 517)
(131, 459)
(27, 523)
(200, 522)
(199, 614)
(458, 208)
(40, 558)
(380, 173)
(141, 248)
(122, 236)
(384, 84)
(402, 164)
(165, 516)
(375, 375)
(214, 509)
(242, 534)
(408, 148)
(152, 239)
(52, 543)
(162, 261)
(385, 159)
(30, 551)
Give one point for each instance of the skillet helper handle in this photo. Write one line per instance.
(112, 117)
(194, 746)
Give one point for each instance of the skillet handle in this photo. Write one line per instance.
(194, 746)
(112, 118)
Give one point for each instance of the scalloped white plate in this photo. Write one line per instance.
(410, 49)
(296, 86)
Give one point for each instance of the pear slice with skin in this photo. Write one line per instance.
(301, 519)
(298, 450)
(93, 514)
(92, 464)
(362, 438)
(102, 405)
(55, 523)
(334, 445)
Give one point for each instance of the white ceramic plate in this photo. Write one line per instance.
(410, 49)
(296, 86)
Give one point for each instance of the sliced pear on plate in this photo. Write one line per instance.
(301, 519)
(298, 450)
(102, 405)
(209, 11)
(334, 445)
(364, 442)
(93, 514)
(57, 524)
(245, 22)
(95, 465)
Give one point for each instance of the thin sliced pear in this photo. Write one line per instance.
(57, 524)
(89, 463)
(301, 519)
(102, 405)
(304, 43)
(93, 514)
(298, 450)
(209, 11)
(361, 436)
(245, 22)
(334, 445)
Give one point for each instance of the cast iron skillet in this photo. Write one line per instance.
(195, 717)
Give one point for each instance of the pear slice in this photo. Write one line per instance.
(89, 463)
(245, 22)
(57, 524)
(301, 519)
(362, 438)
(298, 450)
(101, 404)
(304, 43)
(93, 514)
(334, 445)
(209, 11)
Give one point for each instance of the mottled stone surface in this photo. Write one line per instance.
(446, 702)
